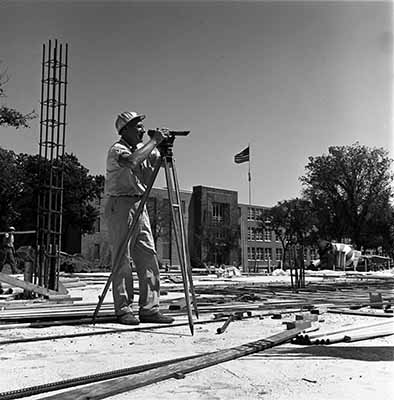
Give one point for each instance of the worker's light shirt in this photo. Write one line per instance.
(121, 180)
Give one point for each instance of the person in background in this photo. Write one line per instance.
(9, 251)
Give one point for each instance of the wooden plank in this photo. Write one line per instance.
(363, 313)
(31, 287)
(59, 297)
(120, 385)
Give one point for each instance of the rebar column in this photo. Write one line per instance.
(51, 164)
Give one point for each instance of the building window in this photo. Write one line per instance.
(279, 254)
(267, 254)
(256, 253)
(251, 253)
(255, 234)
(220, 234)
(219, 211)
(253, 214)
(267, 235)
(277, 239)
(259, 234)
(259, 253)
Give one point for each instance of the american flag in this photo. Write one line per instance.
(242, 157)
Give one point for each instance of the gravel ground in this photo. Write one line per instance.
(358, 370)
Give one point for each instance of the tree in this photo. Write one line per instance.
(10, 116)
(79, 191)
(350, 189)
(10, 188)
(292, 221)
(19, 186)
(218, 241)
(379, 234)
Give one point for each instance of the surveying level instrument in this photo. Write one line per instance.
(165, 160)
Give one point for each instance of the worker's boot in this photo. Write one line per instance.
(156, 318)
(128, 319)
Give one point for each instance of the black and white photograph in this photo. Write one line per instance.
(196, 200)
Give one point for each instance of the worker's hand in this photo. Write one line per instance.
(165, 131)
(159, 135)
(154, 156)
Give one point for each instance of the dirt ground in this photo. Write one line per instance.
(358, 370)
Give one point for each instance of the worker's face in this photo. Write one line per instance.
(134, 132)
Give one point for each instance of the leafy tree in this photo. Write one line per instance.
(379, 234)
(218, 241)
(20, 186)
(13, 118)
(79, 190)
(292, 221)
(10, 188)
(10, 116)
(350, 189)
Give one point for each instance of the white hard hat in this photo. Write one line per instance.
(125, 117)
(12, 228)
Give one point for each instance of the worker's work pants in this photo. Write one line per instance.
(8, 258)
(119, 213)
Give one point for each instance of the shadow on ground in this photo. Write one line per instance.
(362, 353)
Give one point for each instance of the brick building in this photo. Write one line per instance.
(261, 249)
(214, 226)
(219, 230)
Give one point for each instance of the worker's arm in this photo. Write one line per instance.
(150, 165)
(132, 160)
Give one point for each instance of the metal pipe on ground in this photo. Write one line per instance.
(350, 328)
(225, 325)
(367, 335)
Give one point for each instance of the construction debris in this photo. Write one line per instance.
(226, 307)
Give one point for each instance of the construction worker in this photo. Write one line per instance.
(130, 164)
(9, 251)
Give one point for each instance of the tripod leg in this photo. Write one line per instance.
(183, 238)
(175, 210)
(129, 236)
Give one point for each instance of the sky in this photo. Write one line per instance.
(289, 79)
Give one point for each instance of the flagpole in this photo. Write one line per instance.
(239, 158)
(249, 179)
(250, 205)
